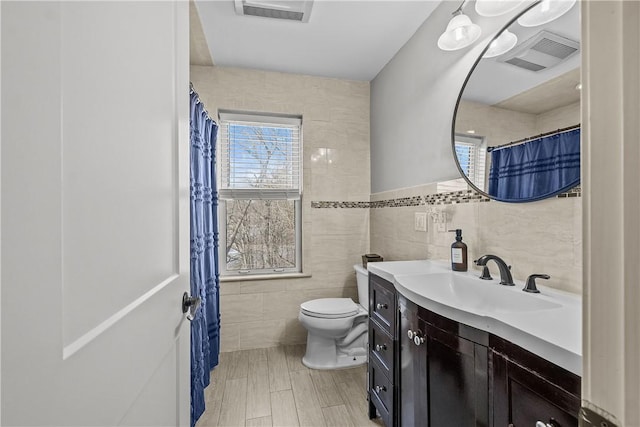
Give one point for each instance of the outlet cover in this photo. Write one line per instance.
(420, 221)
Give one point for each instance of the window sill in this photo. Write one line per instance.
(264, 277)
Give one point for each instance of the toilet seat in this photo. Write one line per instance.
(330, 308)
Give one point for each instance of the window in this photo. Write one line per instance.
(260, 191)
(471, 152)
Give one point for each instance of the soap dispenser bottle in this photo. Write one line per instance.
(459, 253)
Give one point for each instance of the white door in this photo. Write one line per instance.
(94, 211)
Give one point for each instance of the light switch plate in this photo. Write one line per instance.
(420, 221)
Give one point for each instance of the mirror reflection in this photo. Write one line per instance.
(516, 129)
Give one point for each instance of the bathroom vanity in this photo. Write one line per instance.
(383, 350)
(429, 368)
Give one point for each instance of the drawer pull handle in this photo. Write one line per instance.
(381, 347)
(381, 306)
(551, 423)
(416, 337)
(380, 388)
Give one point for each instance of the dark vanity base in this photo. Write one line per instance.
(528, 388)
(442, 373)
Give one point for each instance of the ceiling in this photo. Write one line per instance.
(343, 39)
(555, 93)
(354, 39)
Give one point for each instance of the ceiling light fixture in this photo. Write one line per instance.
(492, 8)
(460, 32)
(545, 12)
(501, 44)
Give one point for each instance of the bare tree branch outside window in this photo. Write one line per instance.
(261, 234)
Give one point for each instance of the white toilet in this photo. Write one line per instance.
(337, 328)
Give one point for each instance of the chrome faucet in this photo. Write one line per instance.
(505, 273)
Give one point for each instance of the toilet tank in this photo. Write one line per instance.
(362, 277)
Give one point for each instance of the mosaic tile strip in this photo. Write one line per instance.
(399, 202)
(574, 192)
(451, 198)
(336, 205)
(455, 197)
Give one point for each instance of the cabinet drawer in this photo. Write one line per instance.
(382, 304)
(381, 392)
(528, 408)
(381, 348)
(523, 398)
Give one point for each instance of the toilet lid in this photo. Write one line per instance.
(330, 307)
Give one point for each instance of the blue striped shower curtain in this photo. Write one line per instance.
(205, 327)
(536, 169)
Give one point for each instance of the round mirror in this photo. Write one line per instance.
(516, 128)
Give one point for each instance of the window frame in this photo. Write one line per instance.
(296, 196)
(480, 157)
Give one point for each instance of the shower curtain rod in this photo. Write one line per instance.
(199, 101)
(553, 132)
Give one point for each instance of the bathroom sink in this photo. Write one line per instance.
(469, 293)
(548, 324)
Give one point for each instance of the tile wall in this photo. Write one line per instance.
(263, 313)
(500, 126)
(537, 237)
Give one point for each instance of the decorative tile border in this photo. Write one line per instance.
(451, 198)
(455, 197)
(574, 192)
(399, 202)
(335, 205)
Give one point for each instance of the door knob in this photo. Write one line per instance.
(381, 347)
(190, 304)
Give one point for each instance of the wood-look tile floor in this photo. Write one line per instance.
(271, 387)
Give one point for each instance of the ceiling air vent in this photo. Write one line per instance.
(292, 10)
(542, 51)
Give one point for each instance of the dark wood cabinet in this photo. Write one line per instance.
(413, 410)
(428, 370)
(528, 389)
(382, 303)
(382, 393)
(443, 376)
(457, 381)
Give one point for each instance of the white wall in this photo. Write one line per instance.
(412, 103)
(611, 155)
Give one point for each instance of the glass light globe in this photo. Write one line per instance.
(460, 33)
(545, 12)
(502, 44)
(492, 8)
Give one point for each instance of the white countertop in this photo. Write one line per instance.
(553, 332)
